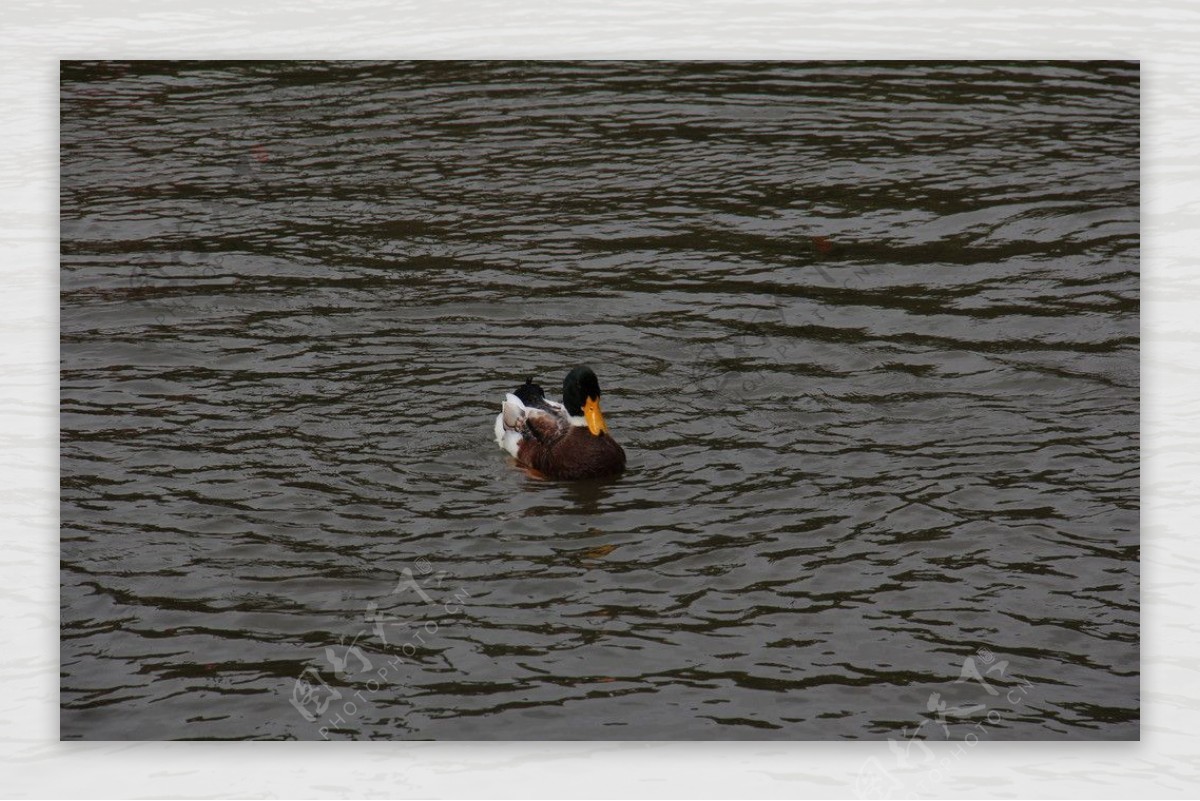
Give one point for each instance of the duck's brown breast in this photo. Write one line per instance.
(576, 454)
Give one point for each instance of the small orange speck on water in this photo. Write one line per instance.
(822, 244)
(260, 153)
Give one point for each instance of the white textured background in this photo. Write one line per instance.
(1165, 36)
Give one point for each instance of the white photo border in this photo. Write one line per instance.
(1163, 36)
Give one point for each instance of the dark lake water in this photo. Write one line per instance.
(867, 332)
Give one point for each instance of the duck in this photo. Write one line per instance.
(567, 440)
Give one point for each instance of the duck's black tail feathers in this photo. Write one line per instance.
(531, 394)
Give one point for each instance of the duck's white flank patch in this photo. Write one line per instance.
(508, 424)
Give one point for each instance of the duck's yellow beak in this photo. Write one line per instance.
(595, 420)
